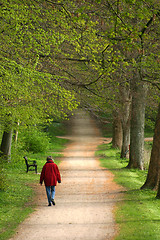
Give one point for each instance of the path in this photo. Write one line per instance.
(85, 199)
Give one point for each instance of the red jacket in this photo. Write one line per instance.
(50, 174)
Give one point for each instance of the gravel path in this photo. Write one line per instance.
(86, 198)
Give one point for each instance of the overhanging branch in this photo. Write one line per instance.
(156, 84)
(59, 4)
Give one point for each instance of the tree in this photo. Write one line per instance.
(5, 147)
(126, 116)
(34, 100)
(117, 130)
(132, 34)
(78, 49)
(153, 175)
(28, 94)
(137, 126)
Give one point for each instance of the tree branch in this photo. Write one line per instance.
(156, 84)
(67, 58)
(116, 14)
(75, 59)
(113, 38)
(147, 25)
(59, 4)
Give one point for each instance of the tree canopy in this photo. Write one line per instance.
(27, 93)
(55, 53)
(85, 44)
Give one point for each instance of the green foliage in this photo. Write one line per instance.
(17, 196)
(13, 200)
(56, 129)
(29, 94)
(137, 215)
(76, 47)
(35, 141)
(31, 97)
(3, 182)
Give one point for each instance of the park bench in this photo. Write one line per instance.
(31, 165)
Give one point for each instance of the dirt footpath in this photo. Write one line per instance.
(86, 198)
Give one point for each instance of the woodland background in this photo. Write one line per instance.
(102, 56)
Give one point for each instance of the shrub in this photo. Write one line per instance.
(3, 182)
(36, 141)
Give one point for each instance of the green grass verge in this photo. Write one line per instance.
(17, 200)
(138, 215)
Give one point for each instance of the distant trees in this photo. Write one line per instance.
(129, 36)
(133, 33)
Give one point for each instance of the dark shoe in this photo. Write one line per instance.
(49, 204)
(53, 202)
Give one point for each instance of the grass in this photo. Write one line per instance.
(138, 215)
(13, 201)
(17, 201)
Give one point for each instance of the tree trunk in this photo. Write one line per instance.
(16, 133)
(6, 145)
(15, 136)
(126, 109)
(136, 158)
(117, 131)
(158, 193)
(153, 175)
(126, 139)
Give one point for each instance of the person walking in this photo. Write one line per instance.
(50, 175)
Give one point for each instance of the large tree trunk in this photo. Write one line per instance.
(117, 131)
(158, 193)
(153, 175)
(136, 159)
(6, 145)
